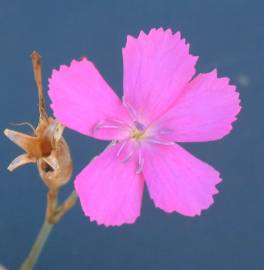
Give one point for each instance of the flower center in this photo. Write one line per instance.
(139, 131)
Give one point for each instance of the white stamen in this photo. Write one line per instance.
(165, 131)
(108, 126)
(128, 157)
(120, 123)
(121, 148)
(104, 125)
(130, 110)
(140, 163)
(117, 121)
(156, 141)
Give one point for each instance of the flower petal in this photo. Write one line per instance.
(177, 181)
(204, 111)
(156, 67)
(81, 100)
(109, 189)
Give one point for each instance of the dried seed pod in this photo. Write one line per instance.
(55, 168)
(46, 146)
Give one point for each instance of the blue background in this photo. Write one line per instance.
(225, 34)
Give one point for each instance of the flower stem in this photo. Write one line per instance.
(38, 246)
(54, 214)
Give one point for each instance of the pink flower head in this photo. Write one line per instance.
(162, 104)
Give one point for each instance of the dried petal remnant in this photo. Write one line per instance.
(46, 146)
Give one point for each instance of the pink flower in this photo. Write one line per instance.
(162, 104)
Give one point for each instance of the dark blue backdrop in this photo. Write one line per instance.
(225, 34)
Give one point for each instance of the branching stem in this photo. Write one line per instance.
(54, 214)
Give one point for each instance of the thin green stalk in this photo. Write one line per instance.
(38, 246)
(53, 216)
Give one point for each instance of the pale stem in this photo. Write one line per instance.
(53, 216)
(42, 237)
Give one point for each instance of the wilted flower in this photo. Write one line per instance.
(45, 146)
(162, 103)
